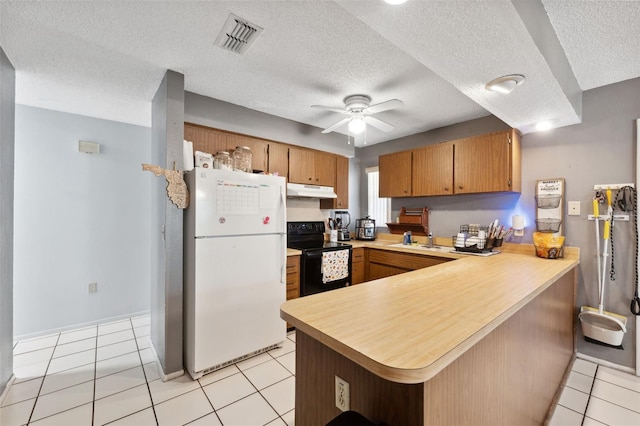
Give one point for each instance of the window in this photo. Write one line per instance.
(379, 208)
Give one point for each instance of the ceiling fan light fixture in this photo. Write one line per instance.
(357, 125)
(505, 84)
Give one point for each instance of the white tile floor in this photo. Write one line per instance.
(595, 395)
(106, 374)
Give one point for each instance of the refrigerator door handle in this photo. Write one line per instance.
(283, 209)
(283, 263)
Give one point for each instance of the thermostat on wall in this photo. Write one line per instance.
(89, 147)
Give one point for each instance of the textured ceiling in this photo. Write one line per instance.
(106, 59)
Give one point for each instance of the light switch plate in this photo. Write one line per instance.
(574, 208)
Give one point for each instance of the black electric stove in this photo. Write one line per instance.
(309, 238)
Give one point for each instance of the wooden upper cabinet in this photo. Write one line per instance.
(341, 187)
(312, 167)
(210, 140)
(486, 163)
(325, 168)
(205, 139)
(395, 174)
(279, 159)
(301, 166)
(432, 170)
(259, 150)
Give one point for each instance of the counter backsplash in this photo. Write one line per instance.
(301, 209)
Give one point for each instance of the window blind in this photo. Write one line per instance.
(378, 208)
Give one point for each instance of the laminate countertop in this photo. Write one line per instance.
(408, 327)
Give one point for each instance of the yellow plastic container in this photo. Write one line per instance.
(547, 245)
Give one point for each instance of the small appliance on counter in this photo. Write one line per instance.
(343, 220)
(365, 229)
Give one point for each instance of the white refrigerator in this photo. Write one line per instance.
(235, 267)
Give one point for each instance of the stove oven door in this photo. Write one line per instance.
(324, 270)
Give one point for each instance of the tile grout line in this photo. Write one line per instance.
(44, 376)
(210, 403)
(258, 390)
(593, 383)
(144, 373)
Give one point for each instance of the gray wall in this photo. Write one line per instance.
(600, 150)
(167, 135)
(79, 218)
(7, 120)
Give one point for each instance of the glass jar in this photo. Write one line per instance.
(242, 159)
(222, 161)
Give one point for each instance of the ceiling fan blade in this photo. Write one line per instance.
(335, 126)
(378, 124)
(341, 111)
(384, 106)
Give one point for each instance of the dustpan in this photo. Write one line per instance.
(597, 324)
(605, 327)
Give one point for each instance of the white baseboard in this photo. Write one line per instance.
(164, 377)
(4, 393)
(76, 326)
(605, 363)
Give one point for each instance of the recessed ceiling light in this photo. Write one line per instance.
(394, 2)
(541, 126)
(505, 84)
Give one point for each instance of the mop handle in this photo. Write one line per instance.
(596, 213)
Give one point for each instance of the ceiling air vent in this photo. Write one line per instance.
(237, 35)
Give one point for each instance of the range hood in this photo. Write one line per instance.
(297, 190)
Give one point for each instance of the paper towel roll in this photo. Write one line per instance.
(187, 152)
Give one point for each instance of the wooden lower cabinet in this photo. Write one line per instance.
(357, 266)
(383, 263)
(293, 279)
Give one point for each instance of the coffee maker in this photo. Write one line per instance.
(365, 229)
(343, 220)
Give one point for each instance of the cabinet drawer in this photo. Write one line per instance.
(358, 255)
(293, 264)
(293, 277)
(404, 261)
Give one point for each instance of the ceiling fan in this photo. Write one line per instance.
(359, 113)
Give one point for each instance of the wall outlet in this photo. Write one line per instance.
(342, 394)
(574, 208)
(93, 287)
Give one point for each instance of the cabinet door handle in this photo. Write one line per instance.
(446, 188)
(310, 178)
(460, 187)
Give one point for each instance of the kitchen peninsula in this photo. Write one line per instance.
(475, 341)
